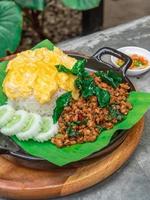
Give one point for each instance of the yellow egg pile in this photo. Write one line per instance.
(34, 73)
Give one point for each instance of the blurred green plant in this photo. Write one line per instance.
(11, 22)
(12, 13)
(10, 27)
(81, 4)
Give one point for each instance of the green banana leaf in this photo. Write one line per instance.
(45, 43)
(62, 156)
(66, 155)
(3, 97)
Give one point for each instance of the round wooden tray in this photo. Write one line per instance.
(23, 183)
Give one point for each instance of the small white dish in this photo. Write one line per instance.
(130, 50)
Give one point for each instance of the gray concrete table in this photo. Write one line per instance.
(132, 181)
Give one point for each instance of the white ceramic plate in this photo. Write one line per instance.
(130, 50)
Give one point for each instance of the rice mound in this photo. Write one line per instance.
(30, 104)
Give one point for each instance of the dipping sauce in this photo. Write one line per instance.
(138, 61)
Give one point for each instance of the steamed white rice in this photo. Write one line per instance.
(32, 105)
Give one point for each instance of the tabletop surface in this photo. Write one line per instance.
(132, 181)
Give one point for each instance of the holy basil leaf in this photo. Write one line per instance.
(88, 88)
(62, 68)
(110, 77)
(115, 76)
(71, 132)
(80, 80)
(104, 77)
(100, 128)
(115, 113)
(77, 69)
(85, 83)
(103, 97)
(78, 83)
(61, 102)
(70, 127)
(75, 123)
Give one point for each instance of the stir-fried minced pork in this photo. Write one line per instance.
(83, 119)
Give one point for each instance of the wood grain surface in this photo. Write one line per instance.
(23, 183)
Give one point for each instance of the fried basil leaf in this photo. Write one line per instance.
(78, 83)
(77, 69)
(110, 77)
(75, 123)
(70, 127)
(71, 132)
(103, 97)
(61, 102)
(85, 83)
(100, 128)
(88, 88)
(62, 68)
(115, 113)
(104, 77)
(115, 76)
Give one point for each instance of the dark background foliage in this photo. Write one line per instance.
(58, 22)
(61, 23)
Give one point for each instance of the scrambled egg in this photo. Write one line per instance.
(34, 73)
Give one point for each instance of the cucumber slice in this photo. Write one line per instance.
(32, 128)
(48, 130)
(6, 114)
(16, 124)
